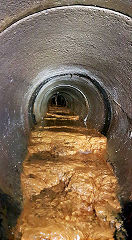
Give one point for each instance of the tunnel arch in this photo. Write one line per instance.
(88, 42)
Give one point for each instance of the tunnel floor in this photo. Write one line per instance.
(69, 189)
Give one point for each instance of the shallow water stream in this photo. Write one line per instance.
(69, 189)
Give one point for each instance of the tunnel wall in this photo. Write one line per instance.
(91, 41)
(13, 10)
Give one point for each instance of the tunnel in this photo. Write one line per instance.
(80, 56)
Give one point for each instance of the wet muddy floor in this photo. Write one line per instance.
(69, 189)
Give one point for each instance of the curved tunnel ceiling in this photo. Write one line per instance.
(80, 41)
(14, 10)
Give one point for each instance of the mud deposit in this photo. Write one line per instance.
(69, 189)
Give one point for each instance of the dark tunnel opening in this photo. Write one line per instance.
(58, 100)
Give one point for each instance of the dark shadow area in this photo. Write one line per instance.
(125, 233)
(127, 218)
(9, 212)
(58, 100)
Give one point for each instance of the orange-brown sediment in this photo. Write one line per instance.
(69, 189)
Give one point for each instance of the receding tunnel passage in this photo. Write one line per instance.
(69, 189)
(83, 95)
(68, 67)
